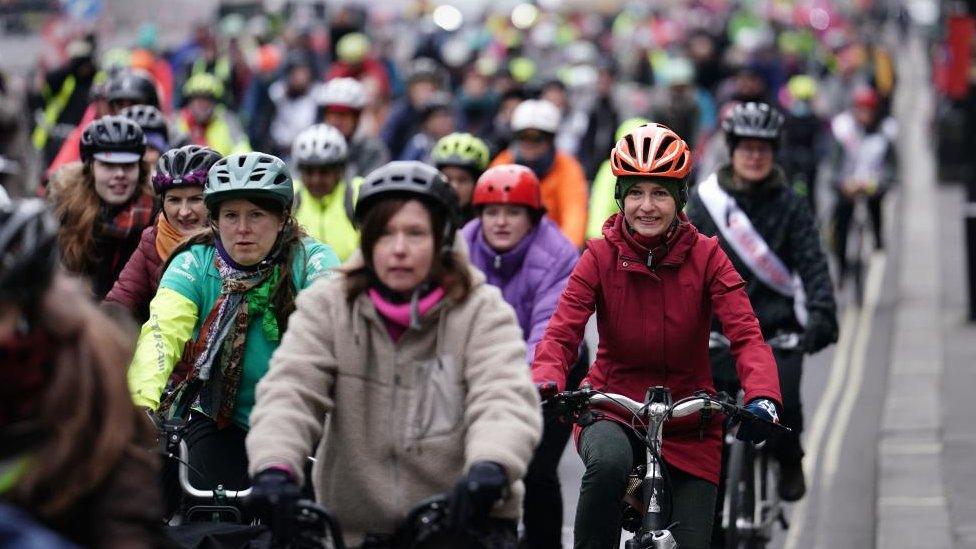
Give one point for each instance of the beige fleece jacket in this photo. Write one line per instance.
(391, 424)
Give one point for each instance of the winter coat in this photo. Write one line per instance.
(292, 115)
(861, 153)
(654, 326)
(563, 194)
(401, 124)
(391, 424)
(139, 279)
(531, 276)
(784, 220)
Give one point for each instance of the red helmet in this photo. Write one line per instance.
(508, 184)
(651, 150)
(865, 97)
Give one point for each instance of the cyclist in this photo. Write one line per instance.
(71, 442)
(523, 252)
(325, 197)
(228, 292)
(654, 283)
(178, 182)
(436, 119)
(862, 162)
(154, 127)
(206, 121)
(462, 157)
(103, 202)
(747, 203)
(341, 102)
(415, 365)
(535, 123)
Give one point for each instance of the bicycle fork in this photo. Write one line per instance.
(653, 533)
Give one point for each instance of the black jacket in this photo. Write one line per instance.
(785, 222)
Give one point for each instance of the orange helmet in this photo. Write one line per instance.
(651, 150)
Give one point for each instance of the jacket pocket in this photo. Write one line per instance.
(438, 398)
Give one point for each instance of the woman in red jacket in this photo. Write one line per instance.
(654, 283)
(178, 182)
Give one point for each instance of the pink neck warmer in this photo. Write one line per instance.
(397, 315)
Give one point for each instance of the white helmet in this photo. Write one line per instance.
(344, 92)
(319, 145)
(535, 114)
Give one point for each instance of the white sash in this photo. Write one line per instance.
(749, 245)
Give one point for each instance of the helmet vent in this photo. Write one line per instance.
(240, 161)
(282, 179)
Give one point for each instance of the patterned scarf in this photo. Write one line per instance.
(122, 223)
(217, 355)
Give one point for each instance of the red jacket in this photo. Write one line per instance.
(139, 279)
(654, 326)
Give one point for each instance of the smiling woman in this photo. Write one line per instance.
(178, 181)
(104, 202)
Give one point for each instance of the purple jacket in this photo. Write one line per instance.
(531, 276)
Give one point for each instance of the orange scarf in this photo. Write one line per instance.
(168, 237)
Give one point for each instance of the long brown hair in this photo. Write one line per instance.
(284, 292)
(86, 413)
(77, 206)
(450, 269)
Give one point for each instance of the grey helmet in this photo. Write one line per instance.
(342, 92)
(319, 145)
(753, 121)
(410, 179)
(252, 174)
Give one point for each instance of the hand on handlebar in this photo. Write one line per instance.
(760, 425)
(476, 493)
(547, 389)
(274, 494)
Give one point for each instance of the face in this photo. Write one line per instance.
(462, 182)
(184, 209)
(865, 116)
(342, 120)
(439, 124)
(533, 144)
(752, 159)
(321, 180)
(300, 78)
(557, 96)
(404, 254)
(201, 109)
(247, 232)
(649, 209)
(505, 225)
(420, 91)
(115, 183)
(116, 105)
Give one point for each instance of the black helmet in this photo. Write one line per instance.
(183, 166)
(114, 139)
(438, 101)
(411, 179)
(149, 118)
(753, 121)
(28, 249)
(426, 69)
(132, 86)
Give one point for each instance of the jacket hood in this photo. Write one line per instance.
(506, 264)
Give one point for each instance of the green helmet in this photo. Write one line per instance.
(460, 149)
(253, 174)
(204, 85)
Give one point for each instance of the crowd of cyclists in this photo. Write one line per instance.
(304, 242)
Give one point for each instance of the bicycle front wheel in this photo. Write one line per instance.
(738, 489)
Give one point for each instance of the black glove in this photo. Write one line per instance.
(820, 333)
(547, 389)
(476, 493)
(759, 429)
(274, 493)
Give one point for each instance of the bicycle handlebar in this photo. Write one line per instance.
(784, 341)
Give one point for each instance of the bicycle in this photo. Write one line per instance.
(646, 502)
(857, 245)
(751, 505)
